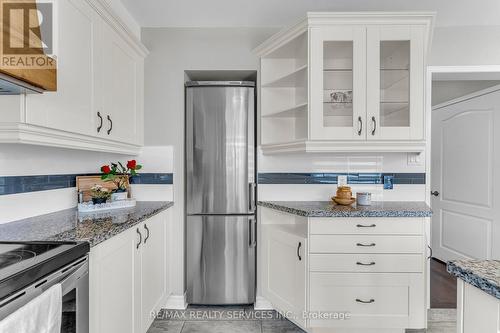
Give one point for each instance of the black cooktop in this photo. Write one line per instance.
(24, 263)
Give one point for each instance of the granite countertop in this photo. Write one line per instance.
(483, 274)
(69, 225)
(329, 209)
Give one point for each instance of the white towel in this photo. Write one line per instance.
(41, 315)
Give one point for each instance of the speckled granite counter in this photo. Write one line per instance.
(69, 225)
(328, 209)
(483, 274)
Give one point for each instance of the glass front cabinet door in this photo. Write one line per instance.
(395, 82)
(367, 82)
(338, 83)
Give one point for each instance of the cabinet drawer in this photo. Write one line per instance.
(373, 301)
(366, 244)
(376, 263)
(383, 226)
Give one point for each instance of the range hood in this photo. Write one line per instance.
(10, 85)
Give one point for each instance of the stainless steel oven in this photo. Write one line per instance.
(74, 280)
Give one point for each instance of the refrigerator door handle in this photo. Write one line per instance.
(251, 196)
(252, 232)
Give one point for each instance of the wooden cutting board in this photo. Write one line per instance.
(85, 183)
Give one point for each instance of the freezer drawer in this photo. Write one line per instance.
(221, 256)
(220, 150)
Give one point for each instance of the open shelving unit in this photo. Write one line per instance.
(284, 99)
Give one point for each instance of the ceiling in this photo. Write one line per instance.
(280, 13)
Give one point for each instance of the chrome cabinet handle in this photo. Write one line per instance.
(365, 302)
(374, 121)
(140, 238)
(298, 251)
(366, 226)
(365, 245)
(360, 126)
(147, 235)
(365, 264)
(252, 230)
(100, 124)
(430, 252)
(251, 196)
(435, 193)
(110, 124)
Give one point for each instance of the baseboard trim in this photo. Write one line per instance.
(176, 302)
(262, 304)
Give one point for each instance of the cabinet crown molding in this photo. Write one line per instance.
(103, 8)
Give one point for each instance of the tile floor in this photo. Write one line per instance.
(247, 320)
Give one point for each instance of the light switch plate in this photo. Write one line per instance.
(342, 180)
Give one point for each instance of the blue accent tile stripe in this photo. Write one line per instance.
(331, 178)
(23, 184)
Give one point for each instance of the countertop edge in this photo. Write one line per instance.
(473, 279)
(119, 228)
(360, 213)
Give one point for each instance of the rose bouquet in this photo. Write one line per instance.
(119, 174)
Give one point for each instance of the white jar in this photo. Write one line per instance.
(364, 198)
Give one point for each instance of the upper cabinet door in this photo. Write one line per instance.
(122, 89)
(338, 85)
(395, 82)
(72, 107)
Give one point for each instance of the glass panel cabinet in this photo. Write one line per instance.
(346, 82)
(338, 91)
(395, 83)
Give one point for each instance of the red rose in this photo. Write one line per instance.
(131, 164)
(106, 169)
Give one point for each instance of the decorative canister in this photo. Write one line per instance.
(364, 198)
(118, 196)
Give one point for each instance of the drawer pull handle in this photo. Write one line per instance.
(298, 251)
(365, 264)
(366, 226)
(366, 245)
(365, 302)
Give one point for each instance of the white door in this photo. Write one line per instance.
(154, 261)
(395, 83)
(121, 86)
(466, 178)
(338, 83)
(284, 271)
(72, 107)
(115, 284)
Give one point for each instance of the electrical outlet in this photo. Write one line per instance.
(342, 180)
(414, 159)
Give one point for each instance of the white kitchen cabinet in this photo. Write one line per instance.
(285, 272)
(154, 267)
(476, 310)
(122, 89)
(128, 278)
(395, 82)
(343, 82)
(372, 268)
(99, 102)
(72, 107)
(115, 284)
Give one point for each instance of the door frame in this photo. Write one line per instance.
(430, 71)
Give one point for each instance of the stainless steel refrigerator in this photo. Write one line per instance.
(220, 192)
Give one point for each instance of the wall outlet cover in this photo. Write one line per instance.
(342, 180)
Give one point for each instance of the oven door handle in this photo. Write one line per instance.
(71, 279)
